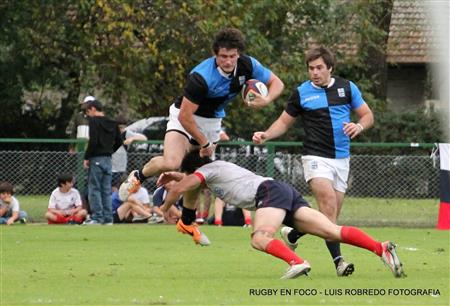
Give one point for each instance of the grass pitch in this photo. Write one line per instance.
(356, 211)
(155, 265)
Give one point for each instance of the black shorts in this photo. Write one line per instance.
(232, 216)
(116, 219)
(277, 194)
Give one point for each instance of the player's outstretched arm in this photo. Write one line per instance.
(168, 176)
(259, 137)
(176, 189)
(278, 128)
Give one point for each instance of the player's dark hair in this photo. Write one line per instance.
(192, 161)
(6, 187)
(320, 52)
(229, 38)
(95, 103)
(64, 178)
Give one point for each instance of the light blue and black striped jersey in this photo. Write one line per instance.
(323, 112)
(213, 91)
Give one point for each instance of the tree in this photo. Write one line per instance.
(45, 46)
(135, 55)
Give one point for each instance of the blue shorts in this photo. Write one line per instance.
(278, 194)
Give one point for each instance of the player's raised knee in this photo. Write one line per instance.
(332, 233)
(261, 237)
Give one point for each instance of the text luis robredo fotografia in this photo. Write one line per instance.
(344, 292)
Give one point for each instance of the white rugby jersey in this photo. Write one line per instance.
(64, 201)
(231, 183)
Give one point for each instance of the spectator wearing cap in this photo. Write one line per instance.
(78, 126)
(104, 140)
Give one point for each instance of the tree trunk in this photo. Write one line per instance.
(68, 105)
(377, 53)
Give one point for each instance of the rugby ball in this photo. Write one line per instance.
(253, 86)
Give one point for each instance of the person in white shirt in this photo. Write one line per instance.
(119, 159)
(9, 206)
(136, 208)
(65, 204)
(274, 203)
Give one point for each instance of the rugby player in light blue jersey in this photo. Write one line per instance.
(196, 116)
(324, 104)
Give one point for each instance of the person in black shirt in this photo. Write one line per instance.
(104, 139)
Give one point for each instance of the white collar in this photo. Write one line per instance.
(328, 86)
(227, 75)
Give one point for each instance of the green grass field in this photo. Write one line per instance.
(356, 211)
(155, 265)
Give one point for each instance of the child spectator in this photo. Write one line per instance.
(9, 206)
(65, 204)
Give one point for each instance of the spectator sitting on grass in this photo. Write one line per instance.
(9, 206)
(133, 209)
(174, 212)
(65, 205)
(230, 215)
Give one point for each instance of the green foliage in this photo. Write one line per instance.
(415, 126)
(135, 55)
(40, 40)
(410, 126)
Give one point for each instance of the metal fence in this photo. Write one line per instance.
(408, 176)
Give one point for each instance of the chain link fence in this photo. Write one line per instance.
(384, 176)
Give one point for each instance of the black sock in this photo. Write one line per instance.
(140, 176)
(335, 250)
(187, 216)
(294, 235)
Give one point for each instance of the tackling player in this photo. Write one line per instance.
(275, 203)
